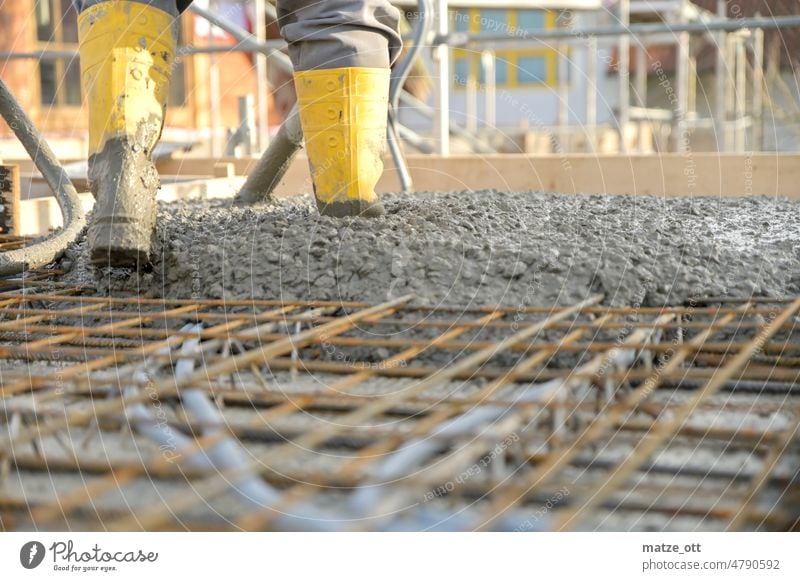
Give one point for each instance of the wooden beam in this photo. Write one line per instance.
(695, 174)
(41, 215)
(699, 174)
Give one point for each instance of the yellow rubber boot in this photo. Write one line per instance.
(126, 51)
(343, 113)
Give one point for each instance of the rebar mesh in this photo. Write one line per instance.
(348, 416)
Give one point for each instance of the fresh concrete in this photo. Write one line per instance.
(481, 248)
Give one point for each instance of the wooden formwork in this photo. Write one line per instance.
(690, 174)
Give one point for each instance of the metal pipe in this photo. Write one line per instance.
(489, 65)
(398, 79)
(247, 41)
(682, 91)
(442, 58)
(477, 144)
(403, 69)
(692, 86)
(720, 110)
(591, 93)
(245, 134)
(52, 247)
(215, 99)
(414, 139)
(623, 74)
(277, 45)
(185, 50)
(641, 92)
(393, 143)
(641, 76)
(458, 39)
(471, 105)
(758, 91)
(462, 39)
(730, 91)
(262, 83)
(562, 97)
(741, 94)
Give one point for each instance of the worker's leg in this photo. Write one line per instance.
(342, 51)
(127, 50)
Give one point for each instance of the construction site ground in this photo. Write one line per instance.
(472, 360)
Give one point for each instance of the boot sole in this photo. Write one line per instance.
(351, 209)
(119, 244)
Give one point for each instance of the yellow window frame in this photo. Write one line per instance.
(510, 56)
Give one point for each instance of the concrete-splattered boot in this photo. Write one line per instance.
(126, 50)
(343, 113)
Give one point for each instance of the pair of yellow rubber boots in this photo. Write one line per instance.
(127, 52)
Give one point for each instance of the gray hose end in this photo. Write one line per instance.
(274, 163)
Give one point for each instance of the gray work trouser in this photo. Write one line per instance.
(324, 34)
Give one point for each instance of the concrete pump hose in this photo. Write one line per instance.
(52, 247)
(272, 166)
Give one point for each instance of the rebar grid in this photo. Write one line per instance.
(347, 416)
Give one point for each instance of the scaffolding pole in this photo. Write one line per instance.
(623, 68)
(442, 58)
(262, 80)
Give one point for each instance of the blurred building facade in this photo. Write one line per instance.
(49, 89)
(540, 99)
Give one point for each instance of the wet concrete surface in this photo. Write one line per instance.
(462, 248)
